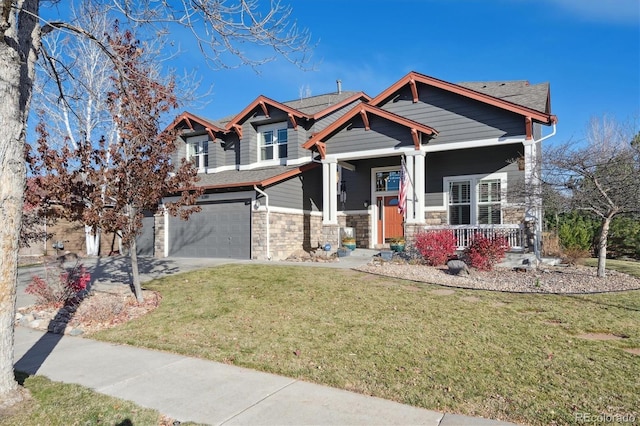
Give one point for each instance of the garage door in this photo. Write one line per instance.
(220, 229)
(145, 240)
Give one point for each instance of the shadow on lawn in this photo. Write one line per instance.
(584, 299)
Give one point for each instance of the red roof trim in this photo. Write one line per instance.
(347, 101)
(413, 77)
(263, 101)
(318, 137)
(189, 118)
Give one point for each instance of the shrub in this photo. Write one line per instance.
(624, 238)
(59, 287)
(574, 256)
(436, 247)
(485, 252)
(576, 231)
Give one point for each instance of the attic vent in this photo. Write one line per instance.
(339, 84)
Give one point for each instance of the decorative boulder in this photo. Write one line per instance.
(456, 267)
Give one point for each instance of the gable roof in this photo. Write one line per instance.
(190, 119)
(412, 78)
(363, 110)
(262, 102)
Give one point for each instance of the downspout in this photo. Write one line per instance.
(536, 246)
(266, 205)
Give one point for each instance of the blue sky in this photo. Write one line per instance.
(588, 50)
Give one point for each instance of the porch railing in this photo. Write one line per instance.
(464, 233)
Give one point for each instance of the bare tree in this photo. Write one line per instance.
(601, 175)
(221, 29)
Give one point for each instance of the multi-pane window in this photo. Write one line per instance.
(489, 202)
(199, 154)
(272, 143)
(388, 181)
(460, 202)
(474, 200)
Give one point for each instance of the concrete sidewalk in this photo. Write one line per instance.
(191, 389)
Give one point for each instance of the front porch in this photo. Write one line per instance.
(514, 233)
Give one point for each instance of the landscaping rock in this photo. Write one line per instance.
(456, 267)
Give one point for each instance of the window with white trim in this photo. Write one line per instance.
(272, 142)
(199, 154)
(460, 202)
(475, 199)
(489, 202)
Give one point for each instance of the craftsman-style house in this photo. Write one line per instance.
(423, 154)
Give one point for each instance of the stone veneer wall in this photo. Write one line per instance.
(513, 215)
(436, 218)
(289, 232)
(158, 237)
(360, 224)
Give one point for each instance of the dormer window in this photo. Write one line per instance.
(199, 154)
(272, 142)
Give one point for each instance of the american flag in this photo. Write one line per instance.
(402, 190)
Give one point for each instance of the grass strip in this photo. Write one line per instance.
(55, 403)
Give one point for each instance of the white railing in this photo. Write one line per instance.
(464, 233)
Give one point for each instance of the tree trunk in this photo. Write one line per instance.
(18, 48)
(137, 288)
(133, 254)
(602, 246)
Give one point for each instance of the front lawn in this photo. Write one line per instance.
(516, 357)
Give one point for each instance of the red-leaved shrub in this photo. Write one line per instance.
(436, 247)
(484, 252)
(59, 286)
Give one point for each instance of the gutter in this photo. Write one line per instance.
(266, 205)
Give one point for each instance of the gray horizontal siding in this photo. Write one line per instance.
(303, 192)
(296, 139)
(455, 117)
(179, 153)
(469, 162)
(382, 134)
(434, 199)
(333, 117)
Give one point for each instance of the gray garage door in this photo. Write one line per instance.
(145, 241)
(220, 229)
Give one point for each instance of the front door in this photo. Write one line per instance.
(389, 218)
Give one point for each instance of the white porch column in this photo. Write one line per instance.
(418, 182)
(329, 193)
(416, 195)
(530, 178)
(409, 215)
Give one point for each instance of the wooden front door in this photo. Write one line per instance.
(389, 219)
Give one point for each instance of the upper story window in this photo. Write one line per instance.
(199, 154)
(272, 142)
(475, 200)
